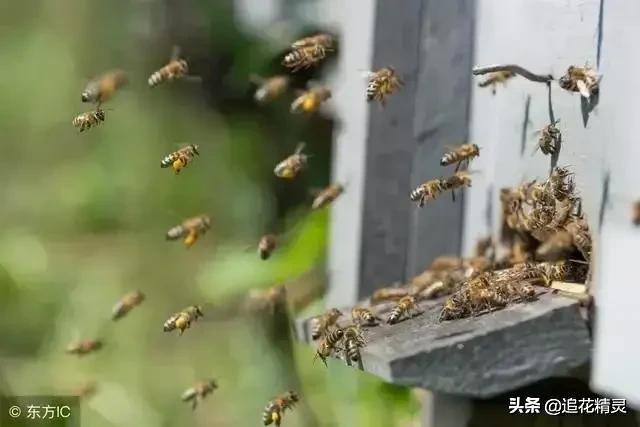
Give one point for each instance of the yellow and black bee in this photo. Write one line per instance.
(190, 229)
(292, 165)
(102, 88)
(305, 57)
(321, 39)
(382, 83)
(457, 180)
(321, 324)
(363, 316)
(327, 196)
(269, 88)
(267, 245)
(84, 347)
(88, 119)
(126, 304)
(274, 410)
(461, 154)
(179, 159)
(406, 307)
(329, 344)
(428, 190)
(182, 320)
(550, 138)
(309, 101)
(493, 79)
(176, 69)
(580, 79)
(353, 341)
(198, 392)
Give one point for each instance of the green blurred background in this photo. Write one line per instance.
(83, 220)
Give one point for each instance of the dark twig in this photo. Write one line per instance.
(515, 69)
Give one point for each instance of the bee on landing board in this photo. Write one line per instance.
(498, 77)
(581, 79)
(550, 138)
(182, 320)
(327, 196)
(198, 392)
(329, 344)
(275, 409)
(126, 304)
(88, 119)
(292, 165)
(405, 308)
(84, 347)
(190, 230)
(363, 316)
(179, 159)
(176, 69)
(269, 88)
(382, 84)
(102, 88)
(309, 101)
(353, 341)
(461, 154)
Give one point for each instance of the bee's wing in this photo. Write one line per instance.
(300, 147)
(582, 88)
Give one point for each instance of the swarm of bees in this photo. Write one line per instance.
(495, 78)
(198, 392)
(190, 230)
(585, 80)
(179, 159)
(382, 83)
(126, 304)
(182, 320)
(84, 347)
(274, 411)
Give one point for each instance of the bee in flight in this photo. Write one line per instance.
(495, 78)
(406, 307)
(266, 246)
(308, 52)
(321, 39)
(550, 138)
(182, 320)
(329, 344)
(84, 347)
(462, 154)
(270, 88)
(126, 304)
(274, 410)
(363, 316)
(292, 165)
(309, 101)
(176, 69)
(88, 119)
(321, 324)
(327, 196)
(382, 83)
(457, 180)
(428, 190)
(190, 229)
(179, 159)
(103, 87)
(580, 79)
(198, 392)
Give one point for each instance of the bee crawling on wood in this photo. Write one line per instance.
(182, 320)
(84, 347)
(382, 84)
(495, 78)
(198, 392)
(364, 316)
(274, 410)
(309, 101)
(292, 165)
(88, 119)
(102, 88)
(126, 304)
(581, 79)
(550, 138)
(462, 154)
(329, 344)
(308, 52)
(269, 88)
(327, 196)
(405, 308)
(190, 230)
(176, 69)
(179, 159)
(321, 324)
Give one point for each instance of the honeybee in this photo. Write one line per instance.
(103, 87)
(266, 246)
(363, 316)
(191, 229)
(269, 88)
(182, 320)
(292, 165)
(84, 347)
(88, 119)
(322, 323)
(126, 304)
(635, 213)
(353, 341)
(274, 410)
(386, 294)
(496, 77)
(321, 39)
(310, 100)
(198, 392)
(550, 138)
(580, 79)
(176, 69)
(428, 190)
(327, 196)
(179, 159)
(462, 154)
(456, 181)
(382, 83)
(579, 230)
(328, 345)
(406, 307)
(305, 57)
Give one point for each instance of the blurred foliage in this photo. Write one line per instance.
(84, 217)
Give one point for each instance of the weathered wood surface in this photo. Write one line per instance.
(481, 356)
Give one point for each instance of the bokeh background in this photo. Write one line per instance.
(83, 218)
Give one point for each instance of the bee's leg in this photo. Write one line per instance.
(194, 403)
(458, 166)
(453, 195)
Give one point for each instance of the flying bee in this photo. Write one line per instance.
(274, 410)
(458, 180)
(329, 344)
(198, 392)
(382, 83)
(266, 246)
(462, 154)
(580, 79)
(428, 190)
(327, 196)
(292, 165)
(102, 88)
(635, 213)
(269, 88)
(309, 101)
(406, 307)
(179, 159)
(191, 229)
(126, 304)
(495, 78)
(176, 69)
(84, 347)
(322, 39)
(87, 119)
(550, 138)
(305, 57)
(363, 316)
(182, 320)
(321, 324)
